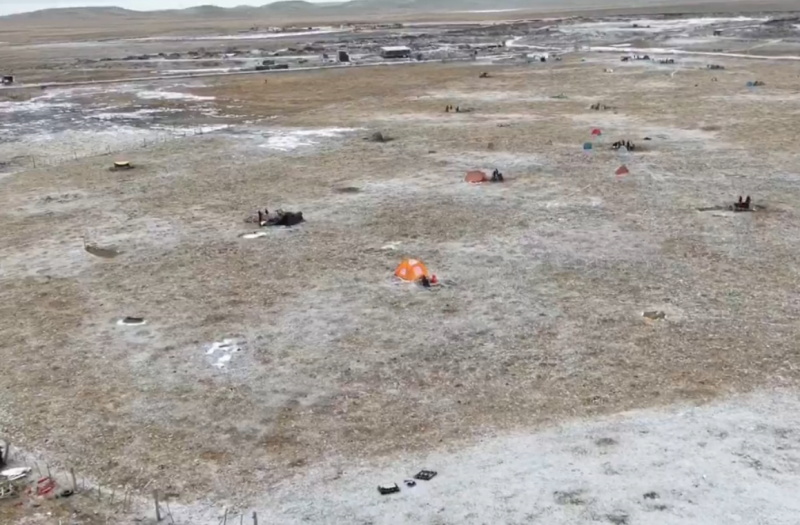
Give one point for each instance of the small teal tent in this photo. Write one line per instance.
(587, 146)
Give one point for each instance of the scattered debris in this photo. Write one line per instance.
(605, 442)
(97, 251)
(410, 483)
(755, 83)
(132, 321)
(227, 347)
(715, 67)
(388, 489)
(14, 474)
(618, 517)
(569, 497)
(7, 80)
(654, 315)
(650, 495)
(484, 75)
(425, 475)
(626, 144)
(600, 107)
(379, 137)
(348, 189)
(253, 235)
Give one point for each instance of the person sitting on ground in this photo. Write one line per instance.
(458, 109)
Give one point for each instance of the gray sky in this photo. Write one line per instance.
(8, 7)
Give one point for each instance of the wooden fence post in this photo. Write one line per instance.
(158, 510)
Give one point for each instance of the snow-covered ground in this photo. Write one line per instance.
(733, 461)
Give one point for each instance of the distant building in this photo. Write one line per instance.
(718, 32)
(344, 56)
(7, 80)
(396, 52)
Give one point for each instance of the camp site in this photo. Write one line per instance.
(349, 265)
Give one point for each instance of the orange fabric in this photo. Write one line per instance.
(475, 177)
(411, 270)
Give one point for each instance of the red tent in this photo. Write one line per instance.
(622, 171)
(475, 177)
(596, 132)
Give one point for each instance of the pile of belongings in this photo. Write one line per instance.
(630, 146)
(742, 205)
(497, 176)
(599, 106)
(279, 218)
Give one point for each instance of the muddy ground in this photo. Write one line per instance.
(545, 276)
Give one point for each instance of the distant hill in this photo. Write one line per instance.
(69, 13)
(359, 7)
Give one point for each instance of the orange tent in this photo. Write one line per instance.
(411, 270)
(475, 177)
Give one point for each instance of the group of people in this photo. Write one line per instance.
(496, 176)
(449, 108)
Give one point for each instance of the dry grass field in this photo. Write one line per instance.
(545, 276)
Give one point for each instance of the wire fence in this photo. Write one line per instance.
(26, 478)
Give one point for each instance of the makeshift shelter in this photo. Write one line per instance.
(587, 146)
(622, 171)
(475, 177)
(411, 270)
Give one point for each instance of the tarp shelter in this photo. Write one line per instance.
(475, 177)
(622, 171)
(411, 270)
(596, 132)
(587, 146)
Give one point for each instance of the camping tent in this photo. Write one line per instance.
(411, 270)
(475, 177)
(587, 146)
(622, 171)
(596, 132)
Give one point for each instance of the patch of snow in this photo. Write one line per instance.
(31, 106)
(731, 461)
(170, 95)
(224, 350)
(668, 51)
(288, 140)
(244, 36)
